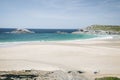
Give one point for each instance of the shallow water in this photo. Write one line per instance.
(42, 37)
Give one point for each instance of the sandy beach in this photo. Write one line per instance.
(102, 56)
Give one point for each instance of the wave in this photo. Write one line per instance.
(106, 37)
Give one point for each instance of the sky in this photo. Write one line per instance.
(58, 13)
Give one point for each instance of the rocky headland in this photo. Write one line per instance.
(99, 29)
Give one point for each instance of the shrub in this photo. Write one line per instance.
(108, 78)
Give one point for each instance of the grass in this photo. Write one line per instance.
(108, 78)
(105, 27)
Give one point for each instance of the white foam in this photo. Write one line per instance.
(103, 37)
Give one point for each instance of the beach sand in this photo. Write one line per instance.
(102, 56)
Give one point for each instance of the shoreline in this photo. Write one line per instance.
(101, 37)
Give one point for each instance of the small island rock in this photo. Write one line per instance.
(21, 31)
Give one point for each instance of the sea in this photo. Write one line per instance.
(42, 35)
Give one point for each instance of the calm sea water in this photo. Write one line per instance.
(42, 35)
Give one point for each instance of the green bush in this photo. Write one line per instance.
(108, 78)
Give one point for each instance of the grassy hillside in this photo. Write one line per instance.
(104, 27)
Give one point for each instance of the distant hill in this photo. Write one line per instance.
(114, 28)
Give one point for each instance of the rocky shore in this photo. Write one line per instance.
(42, 75)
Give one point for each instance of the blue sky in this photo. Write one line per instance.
(58, 13)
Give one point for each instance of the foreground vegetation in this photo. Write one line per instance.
(108, 78)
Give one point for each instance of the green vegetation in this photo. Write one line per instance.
(108, 78)
(104, 27)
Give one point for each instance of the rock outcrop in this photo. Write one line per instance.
(21, 31)
(42, 75)
(59, 32)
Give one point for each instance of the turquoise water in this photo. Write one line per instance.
(42, 37)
